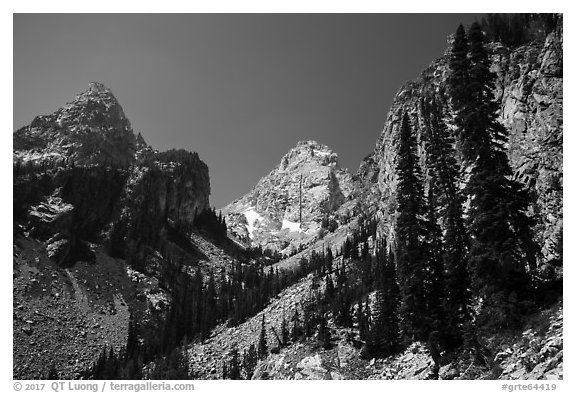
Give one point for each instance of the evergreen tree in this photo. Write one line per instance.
(262, 342)
(250, 360)
(392, 303)
(383, 337)
(233, 369)
(296, 326)
(448, 204)
(502, 248)
(324, 336)
(329, 290)
(434, 284)
(410, 235)
(458, 79)
(284, 332)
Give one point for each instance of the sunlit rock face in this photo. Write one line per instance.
(83, 177)
(529, 90)
(289, 204)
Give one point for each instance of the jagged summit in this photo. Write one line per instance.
(92, 129)
(98, 87)
(306, 152)
(289, 204)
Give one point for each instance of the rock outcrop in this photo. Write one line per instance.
(165, 191)
(96, 212)
(529, 90)
(81, 175)
(307, 185)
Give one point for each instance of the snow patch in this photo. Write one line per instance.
(252, 217)
(321, 153)
(291, 226)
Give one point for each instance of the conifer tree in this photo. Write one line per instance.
(448, 203)
(324, 332)
(296, 326)
(233, 369)
(458, 78)
(434, 284)
(284, 332)
(383, 337)
(262, 342)
(250, 360)
(502, 247)
(410, 235)
(329, 290)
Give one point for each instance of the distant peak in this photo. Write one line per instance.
(98, 91)
(313, 146)
(306, 143)
(98, 87)
(307, 152)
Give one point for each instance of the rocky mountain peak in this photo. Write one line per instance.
(288, 205)
(98, 88)
(308, 152)
(92, 129)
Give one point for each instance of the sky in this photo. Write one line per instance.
(239, 89)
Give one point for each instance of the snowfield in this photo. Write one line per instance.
(252, 217)
(321, 153)
(291, 226)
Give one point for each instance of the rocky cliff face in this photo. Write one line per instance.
(529, 90)
(308, 181)
(164, 192)
(96, 211)
(81, 175)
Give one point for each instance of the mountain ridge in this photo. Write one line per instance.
(120, 244)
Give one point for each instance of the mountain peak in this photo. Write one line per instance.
(89, 130)
(98, 87)
(99, 93)
(287, 206)
(308, 153)
(311, 144)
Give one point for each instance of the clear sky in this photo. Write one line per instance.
(242, 89)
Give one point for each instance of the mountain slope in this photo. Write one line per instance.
(101, 221)
(530, 94)
(108, 251)
(529, 90)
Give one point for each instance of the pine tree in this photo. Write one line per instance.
(383, 337)
(250, 359)
(434, 284)
(502, 247)
(392, 303)
(296, 326)
(458, 79)
(448, 203)
(262, 342)
(284, 332)
(233, 370)
(456, 277)
(410, 235)
(324, 336)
